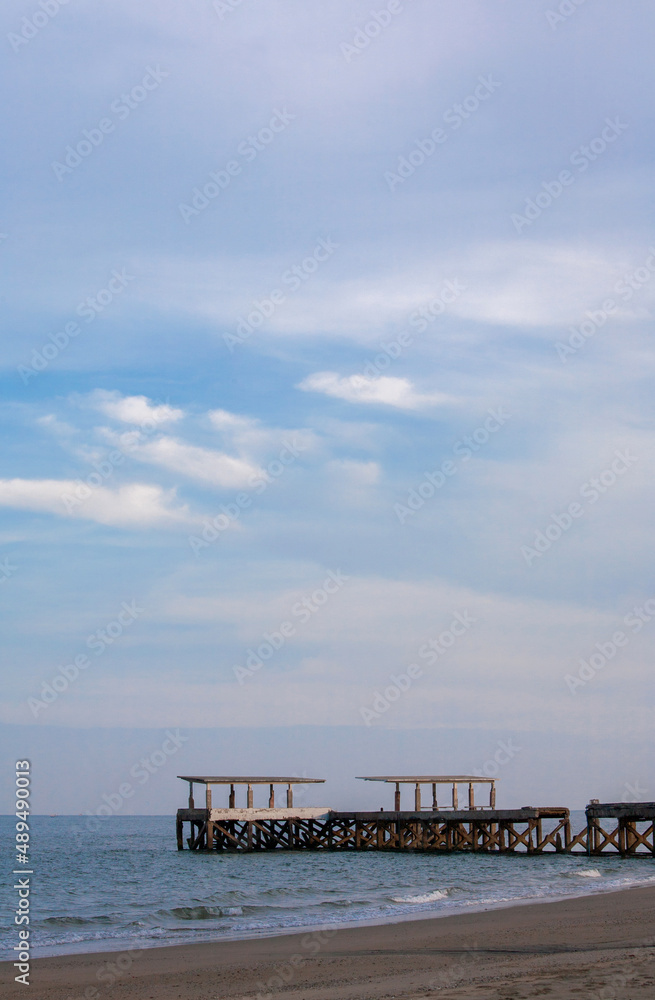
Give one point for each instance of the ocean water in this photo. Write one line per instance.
(126, 885)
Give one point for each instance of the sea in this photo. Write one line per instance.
(125, 885)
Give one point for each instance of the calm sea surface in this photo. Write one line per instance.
(127, 885)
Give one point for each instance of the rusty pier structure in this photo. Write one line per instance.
(460, 823)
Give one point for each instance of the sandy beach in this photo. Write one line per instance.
(600, 946)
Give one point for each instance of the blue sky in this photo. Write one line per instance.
(335, 318)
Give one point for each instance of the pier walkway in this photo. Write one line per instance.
(612, 828)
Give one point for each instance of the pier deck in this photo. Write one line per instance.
(530, 830)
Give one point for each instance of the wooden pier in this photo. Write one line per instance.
(611, 828)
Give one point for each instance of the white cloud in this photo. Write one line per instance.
(249, 438)
(224, 420)
(138, 410)
(135, 506)
(386, 390)
(55, 426)
(202, 464)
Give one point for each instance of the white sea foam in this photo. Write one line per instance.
(428, 897)
(589, 873)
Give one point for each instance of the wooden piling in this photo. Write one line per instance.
(625, 829)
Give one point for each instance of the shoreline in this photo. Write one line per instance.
(117, 947)
(581, 944)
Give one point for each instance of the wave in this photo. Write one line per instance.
(77, 921)
(428, 897)
(589, 873)
(201, 912)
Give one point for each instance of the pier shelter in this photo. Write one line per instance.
(435, 780)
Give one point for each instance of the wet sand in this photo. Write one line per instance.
(600, 947)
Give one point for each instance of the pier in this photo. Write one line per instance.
(624, 829)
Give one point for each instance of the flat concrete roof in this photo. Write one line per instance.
(222, 779)
(433, 779)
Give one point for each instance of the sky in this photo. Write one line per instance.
(327, 364)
